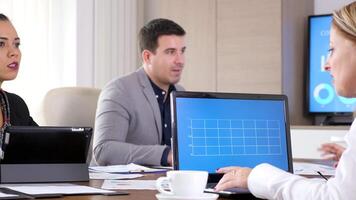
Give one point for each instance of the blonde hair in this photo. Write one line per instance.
(345, 20)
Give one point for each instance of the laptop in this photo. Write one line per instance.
(214, 130)
(50, 154)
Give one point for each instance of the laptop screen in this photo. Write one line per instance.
(44, 145)
(214, 130)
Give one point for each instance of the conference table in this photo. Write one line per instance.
(150, 194)
(133, 194)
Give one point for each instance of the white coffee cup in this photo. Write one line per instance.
(183, 183)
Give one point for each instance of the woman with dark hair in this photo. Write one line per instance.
(266, 181)
(14, 110)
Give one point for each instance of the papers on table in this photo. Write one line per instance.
(112, 176)
(113, 172)
(124, 169)
(129, 185)
(3, 195)
(303, 168)
(55, 189)
(130, 171)
(6, 193)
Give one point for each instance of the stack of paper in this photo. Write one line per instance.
(110, 176)
(129, 185)
(303, 168)
(57, 189)
(124, 169)
(113, 172)
(3, 195)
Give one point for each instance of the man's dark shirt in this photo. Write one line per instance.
(164, 107)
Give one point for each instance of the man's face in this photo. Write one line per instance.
(165, 65)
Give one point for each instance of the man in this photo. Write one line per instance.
(133, 116)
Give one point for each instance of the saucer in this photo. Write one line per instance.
(204, 196)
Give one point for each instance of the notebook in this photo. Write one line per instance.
(52, 154)
(214, 130)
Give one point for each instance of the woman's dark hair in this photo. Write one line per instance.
(149, 34)
(3, 17)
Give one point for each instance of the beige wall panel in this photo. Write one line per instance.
(295, 46)
(198, 18)
(249, 46)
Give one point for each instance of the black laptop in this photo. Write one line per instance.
(45, 154)
(214, 130)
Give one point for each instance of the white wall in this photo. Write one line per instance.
(47, 29)
(306, 140)
(85, 43)
(328, 6)
(115, 39)
(294, 47)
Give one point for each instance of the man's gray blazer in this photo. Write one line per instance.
(128, 125)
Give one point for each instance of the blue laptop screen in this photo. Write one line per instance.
(213, 133)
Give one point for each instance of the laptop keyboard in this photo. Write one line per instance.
(210, 189)
(210, 185)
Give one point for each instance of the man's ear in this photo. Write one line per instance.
(146, 56)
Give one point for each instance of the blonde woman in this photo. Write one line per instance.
(266, 181)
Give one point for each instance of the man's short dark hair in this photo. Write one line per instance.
(149, 34)
(3, 17)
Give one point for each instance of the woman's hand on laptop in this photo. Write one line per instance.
(233, 177)
(170, 158)
(332, 151)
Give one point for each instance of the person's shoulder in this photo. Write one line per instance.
(121, 86)
(20, 115)
(122, 80)
(14, 98)
(16, 102)
(127, 82)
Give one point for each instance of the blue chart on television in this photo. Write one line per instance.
(213, 133)
(322, 94)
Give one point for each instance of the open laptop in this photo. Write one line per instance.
(214, 130)
(45, 154)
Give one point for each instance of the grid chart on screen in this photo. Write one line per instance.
(229, 137)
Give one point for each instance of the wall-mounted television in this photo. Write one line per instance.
(322, 98)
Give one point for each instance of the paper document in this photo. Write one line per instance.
(111, 176)
(130, 168)
(2, 195)
(162, 167)
(129, 185)
(304, 168)
(65, 189)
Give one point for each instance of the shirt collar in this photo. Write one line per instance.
(160, 93)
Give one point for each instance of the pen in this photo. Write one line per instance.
(137, 171)
(322, 175)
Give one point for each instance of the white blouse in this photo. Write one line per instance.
(267, 181)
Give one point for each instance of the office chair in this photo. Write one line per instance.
(70, 106)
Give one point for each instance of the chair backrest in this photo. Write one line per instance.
(69, 106)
